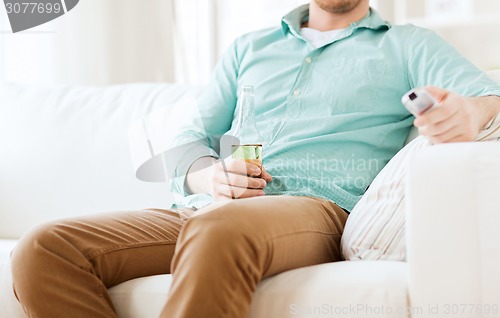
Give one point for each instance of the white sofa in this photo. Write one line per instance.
(65, 152)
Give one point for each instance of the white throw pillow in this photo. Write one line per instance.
(375, 228)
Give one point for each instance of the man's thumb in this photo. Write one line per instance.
(438, 93)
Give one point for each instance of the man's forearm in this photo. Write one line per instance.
(198, 176)
(489, 107)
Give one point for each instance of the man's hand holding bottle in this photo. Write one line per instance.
(241, 175)
(235, 178)
(227, 179)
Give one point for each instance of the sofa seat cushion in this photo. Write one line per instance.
(344, 289)
(353, 289)
(9, 307)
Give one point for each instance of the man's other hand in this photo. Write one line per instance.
(456, 119)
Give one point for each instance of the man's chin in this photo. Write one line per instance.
(338, 6)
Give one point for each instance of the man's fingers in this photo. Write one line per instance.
(455, 119)
(242, 167)
(438, 114)
(235, 179)
(438, 128)
(242, 181)
(454, 134)
(230, 192)
(265, 175)
(240, 193)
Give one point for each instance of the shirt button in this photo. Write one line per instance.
(308, 60)
(296, 92)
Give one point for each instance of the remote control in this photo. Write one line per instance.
(418, 101)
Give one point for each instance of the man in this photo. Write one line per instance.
(328, 85)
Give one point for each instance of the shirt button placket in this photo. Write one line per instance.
(293, 104)
(293, 108)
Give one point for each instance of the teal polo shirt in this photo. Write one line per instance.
(330, 117)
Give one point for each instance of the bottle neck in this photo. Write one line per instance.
(246, 128)
(246, 114)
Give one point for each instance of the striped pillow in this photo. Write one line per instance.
(375, 228)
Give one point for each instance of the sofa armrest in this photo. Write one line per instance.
(453, 230)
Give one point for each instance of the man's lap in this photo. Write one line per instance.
(141, 243)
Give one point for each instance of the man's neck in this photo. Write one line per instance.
(322, 20)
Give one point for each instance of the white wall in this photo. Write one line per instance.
(475, 32)
(117, 41)
(206, 28)
(239, 17)
(96, 43)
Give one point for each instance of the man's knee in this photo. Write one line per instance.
(35, 250)
(29, 258)
(32, 242)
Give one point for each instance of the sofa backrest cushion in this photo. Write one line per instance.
(65, 151)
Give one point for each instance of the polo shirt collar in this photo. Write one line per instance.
(294, 19)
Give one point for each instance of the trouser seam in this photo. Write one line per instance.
(301, 232)
(101, 292)
(123, 247)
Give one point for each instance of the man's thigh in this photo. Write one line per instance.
(117, 246)
(293, 231)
